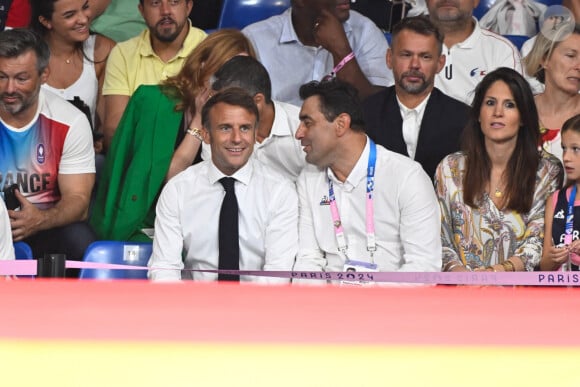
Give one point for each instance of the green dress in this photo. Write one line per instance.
(136, 166)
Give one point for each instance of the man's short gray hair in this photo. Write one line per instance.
(18, 41)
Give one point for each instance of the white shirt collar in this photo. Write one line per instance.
(243, 175)
(473, 39)
(419, 109)
(412, 119)
(358, 173)
(280, 118)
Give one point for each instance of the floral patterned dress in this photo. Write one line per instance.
(486, 235)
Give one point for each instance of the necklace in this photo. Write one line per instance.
(70, 58)
(497, 193)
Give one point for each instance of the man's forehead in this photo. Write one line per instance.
(409, 40)
(223, 111)
(310, 106)
(24, 61)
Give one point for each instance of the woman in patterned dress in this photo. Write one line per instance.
(492, 194)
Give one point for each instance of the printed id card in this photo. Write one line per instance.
(356, 273)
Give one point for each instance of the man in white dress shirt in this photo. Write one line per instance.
(187, 222)
(361, 206)
(314, 38)
(275, 143)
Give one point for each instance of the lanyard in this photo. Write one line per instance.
(370, 224)
(570, 217)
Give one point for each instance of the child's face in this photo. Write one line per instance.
(571, 154)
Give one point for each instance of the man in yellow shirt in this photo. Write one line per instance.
(155, 54)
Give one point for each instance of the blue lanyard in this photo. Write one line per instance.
(570, 217)
(370, 223)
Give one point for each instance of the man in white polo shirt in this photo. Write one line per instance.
(471, 51)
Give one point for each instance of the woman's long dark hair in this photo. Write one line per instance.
(45, 8)
(523, 163)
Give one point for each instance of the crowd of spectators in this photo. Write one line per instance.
(333, 149)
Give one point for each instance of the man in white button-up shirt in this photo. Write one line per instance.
(313, 38)
(337, 230)
(189, 206)
(275, 143)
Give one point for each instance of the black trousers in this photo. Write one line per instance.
(72, 240)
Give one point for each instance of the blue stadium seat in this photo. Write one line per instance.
(116, 252)
(240, 13)
(389, 37)
(517, 40)
(549, 2)
(22, 250)
(482, 8)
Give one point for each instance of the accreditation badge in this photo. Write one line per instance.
(356, 273)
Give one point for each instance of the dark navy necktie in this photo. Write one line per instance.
(229, 240)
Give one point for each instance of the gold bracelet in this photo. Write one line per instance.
(195, 132)
(508, 265)
(451, 265)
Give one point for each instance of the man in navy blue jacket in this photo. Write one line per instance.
(413, 117)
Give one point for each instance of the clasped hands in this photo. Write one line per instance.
(559, 254)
